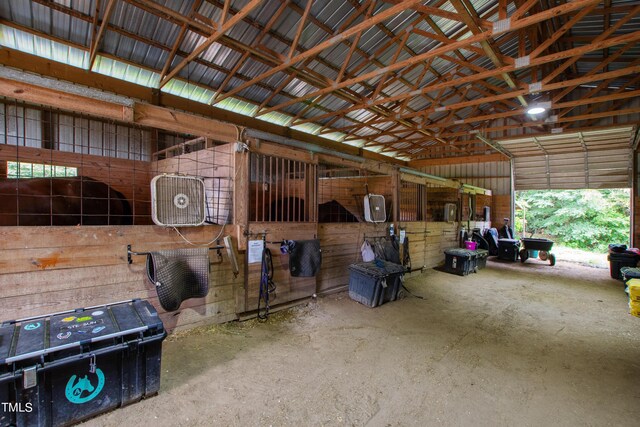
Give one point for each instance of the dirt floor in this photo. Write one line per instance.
(512, 345)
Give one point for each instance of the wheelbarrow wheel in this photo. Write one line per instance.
(543, 255)
(524, 255)
(552, 260)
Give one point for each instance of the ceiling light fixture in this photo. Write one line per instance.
(534, 109)
(538, 108)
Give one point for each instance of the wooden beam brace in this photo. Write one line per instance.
(561, 31)
(178, 42)
(576, 52)
(469, 14)
(510, 95)
(367, 23)
(597, 69)
(559, 69)
(225, 11)
(540, 123)
(522, 23)
(588, 101)
(103, 28)
(245, 56)
(523, 9)
(211, 39)
(495, 157)
(303, 21)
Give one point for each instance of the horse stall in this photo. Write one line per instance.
(75, 193)
(281, 205)
(60, 256)
(342, 187)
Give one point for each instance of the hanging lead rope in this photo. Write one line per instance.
(406, 258)
(266, 282)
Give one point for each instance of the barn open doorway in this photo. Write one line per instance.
(582, 223)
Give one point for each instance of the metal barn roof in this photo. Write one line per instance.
(413, 79)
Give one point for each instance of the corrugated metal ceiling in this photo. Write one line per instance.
(141, 35)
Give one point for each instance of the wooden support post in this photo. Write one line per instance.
(395, 191)
(241, 197)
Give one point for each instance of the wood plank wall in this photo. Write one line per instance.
(130, 177)
(429, 240)
(49, 269)
(341, 247)
(350, 192)
(500, 209)
(288, 288)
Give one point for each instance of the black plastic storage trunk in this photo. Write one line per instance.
(372, 284)
(618, 260)
(481, 258)
(59, 369)
(459, 261)
(508, 249)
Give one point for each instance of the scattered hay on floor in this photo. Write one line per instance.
(240, 328)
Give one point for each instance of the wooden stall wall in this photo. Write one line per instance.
(340, 248)
(49, 269)
(500, 209)
(350, 192)
(288, 288)
(429, 240)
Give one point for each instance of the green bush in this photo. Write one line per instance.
(584, 219)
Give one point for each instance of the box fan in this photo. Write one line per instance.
(178, 201)
(374, 208)
(450, 212)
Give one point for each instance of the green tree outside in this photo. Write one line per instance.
(583, 219)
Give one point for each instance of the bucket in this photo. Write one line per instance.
(470, 245)
(533, 253)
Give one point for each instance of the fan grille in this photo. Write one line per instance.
(178, 200)
(375, 209)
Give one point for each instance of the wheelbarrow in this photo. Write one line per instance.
(537, 248)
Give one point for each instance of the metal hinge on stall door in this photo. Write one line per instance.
(29, 377)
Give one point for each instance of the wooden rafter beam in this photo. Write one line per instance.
(210, 40)
(603, 84)
(522, 23)
(622, 94)
(94, 23)
(176, 19)
(561, 31)
(540, 123)
(245, 56)
(178, 42)
(435, 11)
(576, 52)
(619, 98)
(303, 21)
(225, 12)
(572, 60)
(368, 23)
(93, 52)
(548, 87)
(466, 10)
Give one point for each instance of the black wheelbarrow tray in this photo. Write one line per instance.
(537, 248)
